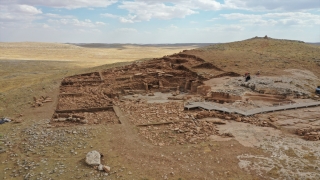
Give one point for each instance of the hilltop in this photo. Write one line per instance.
(270, 56)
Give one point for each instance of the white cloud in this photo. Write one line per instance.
(125, 20)
(289, 19)
(109, 15)
(68, 4)
(79, 23)
(206, 4)
(145, 11)
(128, 19)
(46, 26)
(259, 22)
(100, 23)
(222, 28)
(128, 30)
(240, 16)
(287, 5)
(173, 26)
(50, 15)
(233, 28)
(170, 29)
(213, 19)
(26, 9)
(19, 13)
(87, 23)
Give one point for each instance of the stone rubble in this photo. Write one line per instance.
(179, 126)
(170, 74)
(48, 144)
(39, 101)
(311, 134)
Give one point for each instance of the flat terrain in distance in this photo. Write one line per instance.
(95, 55)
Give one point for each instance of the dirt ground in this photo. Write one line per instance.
(58, 153)
(33, 147)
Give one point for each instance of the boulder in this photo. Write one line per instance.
(93, 158)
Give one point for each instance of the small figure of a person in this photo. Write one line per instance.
(248, 77)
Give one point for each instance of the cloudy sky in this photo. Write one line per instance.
(158, 21)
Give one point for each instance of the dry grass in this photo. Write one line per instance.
(85, 57)
(270, 56)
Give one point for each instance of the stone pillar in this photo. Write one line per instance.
(187, 85)
(146, 86)
(160, 84)
(178, 90)
(194, 86)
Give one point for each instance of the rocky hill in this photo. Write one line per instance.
(270, 56)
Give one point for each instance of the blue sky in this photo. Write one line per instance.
(157, 21)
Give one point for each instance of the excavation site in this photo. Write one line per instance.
(203, 113)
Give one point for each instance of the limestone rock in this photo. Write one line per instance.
(62, 119)
(100, 167)
(93, 158)
(273, 119)
(84, 121)
(106, 168)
